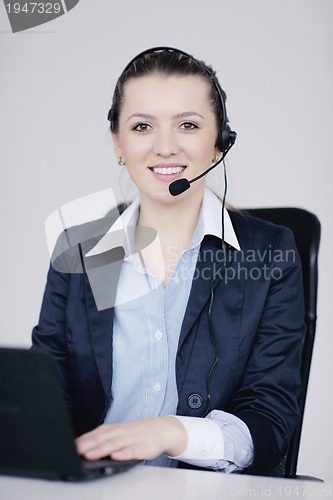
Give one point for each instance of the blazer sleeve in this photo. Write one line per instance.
(267, 398)
(51, 333)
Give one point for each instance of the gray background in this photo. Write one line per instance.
(274, 58)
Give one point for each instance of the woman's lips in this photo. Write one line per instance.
(167, 171)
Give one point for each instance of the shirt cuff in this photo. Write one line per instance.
(205, 443)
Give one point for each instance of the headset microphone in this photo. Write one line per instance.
(182, 185)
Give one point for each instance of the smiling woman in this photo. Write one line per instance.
(185, 366)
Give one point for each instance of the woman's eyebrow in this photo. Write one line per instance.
(147, 116)
(187, 114)
(141, 115)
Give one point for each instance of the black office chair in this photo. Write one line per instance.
(306, 228)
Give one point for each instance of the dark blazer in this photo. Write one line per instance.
(254, 330)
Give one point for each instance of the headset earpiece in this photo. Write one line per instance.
(226, 137)
(223, 139)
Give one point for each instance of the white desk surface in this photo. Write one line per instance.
(154, 483)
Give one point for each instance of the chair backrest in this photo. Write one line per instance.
(306, 228)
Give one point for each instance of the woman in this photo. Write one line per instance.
(195, 357)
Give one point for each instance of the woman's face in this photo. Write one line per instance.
(167, 130)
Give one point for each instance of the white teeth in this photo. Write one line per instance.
(168, 170)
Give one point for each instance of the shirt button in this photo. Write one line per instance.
(176, 280)
(157, 387)
(158, 335)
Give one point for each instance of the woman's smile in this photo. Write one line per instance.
(167, 172)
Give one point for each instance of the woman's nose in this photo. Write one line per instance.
(166, 143)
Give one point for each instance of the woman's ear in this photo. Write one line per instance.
(116, 145)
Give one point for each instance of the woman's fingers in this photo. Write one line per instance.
(102, 441)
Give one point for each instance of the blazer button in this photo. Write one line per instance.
(194, 401)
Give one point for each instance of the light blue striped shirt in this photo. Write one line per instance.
(146, 329)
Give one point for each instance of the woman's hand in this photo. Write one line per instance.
(142, 440)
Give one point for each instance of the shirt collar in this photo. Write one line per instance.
(212, 219)
(211, 213)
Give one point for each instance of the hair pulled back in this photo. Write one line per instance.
(166, 62)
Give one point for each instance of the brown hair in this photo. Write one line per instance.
(166, 62)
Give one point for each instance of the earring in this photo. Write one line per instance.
(120, 161)
(216, 157)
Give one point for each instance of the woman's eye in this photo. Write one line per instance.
(189, 126)
(141, 127)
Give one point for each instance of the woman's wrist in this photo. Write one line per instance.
(175, 436)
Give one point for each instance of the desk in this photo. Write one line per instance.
(154, 483)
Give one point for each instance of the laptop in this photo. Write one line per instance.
(36, 435)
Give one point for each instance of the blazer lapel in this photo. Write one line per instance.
(101, 276)
(101, 325)
(211, 265)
